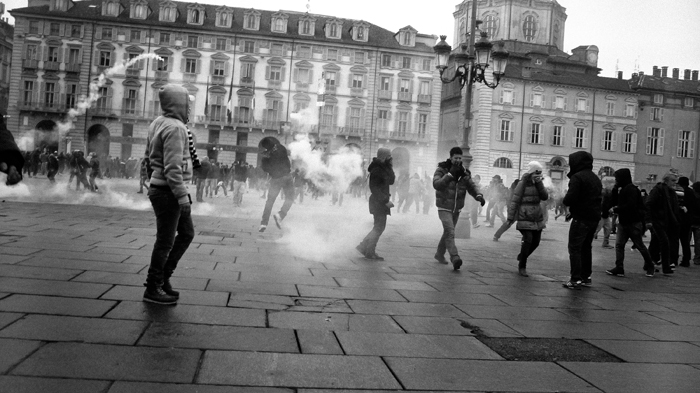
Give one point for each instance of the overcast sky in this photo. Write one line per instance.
(627, 32)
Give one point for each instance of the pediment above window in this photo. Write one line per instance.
(217, 90)
(560, 91)
(134, 49)
(558, 120)
(359, 69)
(276, 61)
(406, 74)
(611, 97)
(274, 94)
(331, 67)
(508, 85)
(220, 56)
(301, 97)
(131, 82)
(608, 127)
(582, 94)
(304, 64)
(505, 115)
(580, 124)
(245, 92)
(631, 100)
(248, 59)
(404, 107)
(163, 52)
(54, 42)
(537, 118)
(105, 46)
(330, 99)
(190, 88)
(191, 53)
(630, 129)
(538, 89)
(356, 102)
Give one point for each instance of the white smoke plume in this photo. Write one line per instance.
(332, 173)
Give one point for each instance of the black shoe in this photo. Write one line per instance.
(278, 221)
(685, 264)
(650, 272)
(587, 282)
(374, 257)
(523, 272)
(441, 259)
(168, 288)
(158, 296)
(616, 271)
(667, 272)
(456, 263)
(360, 248)
(572, 285)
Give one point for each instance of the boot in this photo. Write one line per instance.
(523, 272)
(168, 288)
(456, 262)
(155, 294)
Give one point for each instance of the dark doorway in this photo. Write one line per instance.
(98, 142)
(46, 136)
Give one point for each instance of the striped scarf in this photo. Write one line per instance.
(193, 151)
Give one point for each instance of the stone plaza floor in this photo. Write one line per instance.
(299, 310)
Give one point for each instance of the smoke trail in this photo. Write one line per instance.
(333, 173)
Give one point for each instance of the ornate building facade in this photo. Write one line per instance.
(253, 73)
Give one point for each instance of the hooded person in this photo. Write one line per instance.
(584, 199)
(452, 182)
(629, 208)
(381, 176)
(686, 199)
(11, 158)
(171, 158)
(663, 217)
(525, 207)
(275, 162)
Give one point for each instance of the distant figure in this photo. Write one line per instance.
(381, 176)
(275, 162)
(52, 166)
(11, 159)
(240, 175)
(94, 171)
(663, 219)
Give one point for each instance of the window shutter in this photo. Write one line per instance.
(614, 141)
(295, 77)
(228, 44)
(154, 67)
(585, 139)
(44, 53)
(47, 28)
(182, 65)
(170, 63)
(267, 72)
(662, 137)
(311, 76)
(634, 143)
(350, 77)
(335, 115)
(532, 100)
(199, 66)
(200, 40)
(211, 67)
(347, 117)
(60, 55)
(98, 33)
(544, 102)
(602, 142)
(648, 148)
(227, 69)
(364, 81)
(391, 84)
(284, 72)
(651, 114)
(661, 116)
(62, 29)
(97, 57)
(408, 124)
(500, 98)
(566, 102)
(588, 105)
(554, 102)
(691, 143)
(144, 37)
(362, 118)
(41, 93)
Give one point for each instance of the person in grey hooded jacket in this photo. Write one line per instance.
(171, 154)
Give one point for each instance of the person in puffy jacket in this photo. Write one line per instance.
(275, 162)
(526, 209)
(381, 176)
(452, 182)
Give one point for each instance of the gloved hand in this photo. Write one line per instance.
(481, 199)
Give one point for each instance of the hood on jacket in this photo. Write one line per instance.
(175, 102)
(447, 164)
(623, 177)
(579, 161)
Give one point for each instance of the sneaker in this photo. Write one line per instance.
(572, 285)
(616, 272)
(523, 272)
(374, 257)
(360, 248)
(608, 246)
(476, 226)
(456, 263)
(262, 228)
(667, 272)
(587, 282)
(685, 264)
(158, 296)
(495, 239)
(441, 259)
(168, 288)
(650, 272)
(278, 221)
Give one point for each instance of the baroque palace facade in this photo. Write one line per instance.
(551, 103)
(253, 74)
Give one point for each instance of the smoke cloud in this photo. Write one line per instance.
(332, 173)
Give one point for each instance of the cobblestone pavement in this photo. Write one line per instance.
(298, 310)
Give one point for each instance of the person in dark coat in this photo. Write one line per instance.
(629, 208)
(695, 222)
(94, 171)
(52, 167)
(663, 219)
(452, 182)
(686, 199)
(381, 176)
(275, 162)
(525, 207)
(11, 159)
(584, 199)
(201, 175)
(81, 166)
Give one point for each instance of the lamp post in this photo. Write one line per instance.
(470, 67)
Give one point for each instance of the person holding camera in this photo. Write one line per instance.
(381, 176)
(526, 209)
(452, 182)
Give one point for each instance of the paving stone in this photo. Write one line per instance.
(265, 302)
(396, 308)
(60, 328)
(330, 321)
(292, 370)
(54, 245)
(37, 272)
(618, 316)
(56, 305)
(12, 259)
(183, 335)
(17, 384)
(485, 375)
(318, 342)
(57, 288)
(138, 280)
(409, 285)
(8, 249)
(112, 362)
(667, 332)
(135, 294)
(547, 301)
(637, 377)
(534, 313)
(450, 298)
(432, 325)
(84, 265)
(678, 318)
(13, 351)
(7, 318)
(286, 289)
(282, 278)
(149, 387)
(350, 293)
(628, 305)
(83, 256)
(574, 330)
(320, 305)
(186, 313)
(356, 274)
(651, 351)
(414, 345)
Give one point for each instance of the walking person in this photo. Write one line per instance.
(11, 159)
(526, 208)
(201, 176)
(506, 225)
(695, 222)
(143, 175)
(381, 177)
(172, 155)
(629, 209)
(240, 175)
(605, 222)
(275, 162)
(500, 200)
(663, 219)
(452, 182)
(686, 199)
(52, 167)
(94, 171)
(473, 206)
(584, 199)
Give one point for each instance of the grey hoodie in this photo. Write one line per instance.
(168, 144)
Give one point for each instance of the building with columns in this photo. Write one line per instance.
(253, 73)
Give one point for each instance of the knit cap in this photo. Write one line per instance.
(383, 153)
(534, 166)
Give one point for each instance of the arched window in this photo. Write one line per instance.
(490, 25)
(503, 162)
(606, 171)
(529, 28)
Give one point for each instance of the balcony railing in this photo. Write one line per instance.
(405, 96)
(247, 81)
(51, 65)
(162, 75)
(402, 136)
(36, 106)
(133, 72)
(352, 131)
(384, 94)
(30, 64)
(218, 80)
(424, 98)
(71, 67)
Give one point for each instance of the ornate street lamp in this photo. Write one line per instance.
(471, 64)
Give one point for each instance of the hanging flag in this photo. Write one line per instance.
(229, 104)
(206, 101)
(321, 93)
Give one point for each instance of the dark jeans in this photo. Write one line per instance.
(664, 244)
(504, 227)
(684, 238)
(369, 243)
(580, 243)
(286, 184)
(171, 218)
(52, 175)
(447, 241)
(531, 239)
(632, 232)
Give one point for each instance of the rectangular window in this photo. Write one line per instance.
(192, 41)
(505, 134)
(406, 62)
(658, 99)
(50, 94)
(557, 136)
(52, 54)
(425, 88)
(275, 73)
(656, 114)
(55, 29)
(304, 52)
(164, 38)
(357, 81)
(580, 138)
(560, 103)
(507, 97)
(355, 118)
(162, 65)
(219, 67)
(537, 99)
(334, 31)
(327, 117)
(101, 103)
(216, 108)
(74, 56)
(330, 79)
(190, 66)
(386, 60)
(608, 141)
(610, 108)
(535, 134)
(28, 92)
(629, 142)
(249, 46)
(688, 102)
(383, 119)
(360, 57)
(403, 124)
(135, 35)
(130, 96)
(223, 19)
(250, 22)
(71, 96)
(105, 58)
(221, 42)
(107, 33)
(247, 70)
(422, 124)
(332, 55)
(277, 49)
(32, 51)
(278, 25)
(655, 141)
(34, 27)
(426, 64)
(405, 86)
(686, 144)
(630, 110)
(303, 75)
(76, 31)
(384, 83)
(582, 105)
